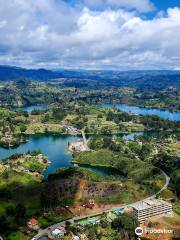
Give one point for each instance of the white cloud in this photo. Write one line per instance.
(53, 34)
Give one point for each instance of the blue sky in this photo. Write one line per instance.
(164, 4)
(90, 34)
(159, 4)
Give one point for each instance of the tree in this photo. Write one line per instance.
(3, 225)
(5, 175)
(135, 147)
(145, 151)
(22, 83)
(164, 161)
(107, 141)
(105, 130)
(46, 118)
(126, 222)
(99, 115)
(20, 213)
(58, 114)
(10, 211)
(22, 128)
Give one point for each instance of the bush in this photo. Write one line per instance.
(153, 224)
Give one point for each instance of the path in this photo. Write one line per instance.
(45, 232)
(85, 140)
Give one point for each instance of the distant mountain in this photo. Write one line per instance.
(83, 78)
(13, 73)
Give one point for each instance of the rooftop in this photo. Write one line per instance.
(149, 203)
(33, 222)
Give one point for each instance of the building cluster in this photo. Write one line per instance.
(143, 211)
(78, 147)
(71, 130)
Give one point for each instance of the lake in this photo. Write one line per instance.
(132, 136)
(166, 114)
(29, 109)
(54, 147)
(104, 171)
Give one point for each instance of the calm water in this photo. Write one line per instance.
(105, 172)
(166, 114)
(132, 136)
(54, 147)
(29, 109)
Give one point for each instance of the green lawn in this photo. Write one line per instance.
(17, 236)
(172, 220)
(53, 218)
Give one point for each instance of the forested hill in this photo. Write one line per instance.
(79, 78)
(12, 73)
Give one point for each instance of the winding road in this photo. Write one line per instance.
(46, 231)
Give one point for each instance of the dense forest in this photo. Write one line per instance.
(23, 92)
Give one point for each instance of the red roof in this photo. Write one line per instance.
(33, 222)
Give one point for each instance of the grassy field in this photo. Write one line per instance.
(53, 218)
(18, 236)
(138, 174)
(37, 126)
(104, 157)
(172, 220)
(15, 179)
(175, 147)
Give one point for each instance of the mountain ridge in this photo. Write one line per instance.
(95, 78)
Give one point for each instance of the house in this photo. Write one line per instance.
(33, 224)
(75, 238)
(58, 232)
(90, 204)
(83, 237)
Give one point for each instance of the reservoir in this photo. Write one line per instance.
(29, 109)
(55, 147)
(165, 114)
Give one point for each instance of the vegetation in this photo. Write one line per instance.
(114, 171)
(19, 176)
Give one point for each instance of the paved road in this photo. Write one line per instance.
(44, 232)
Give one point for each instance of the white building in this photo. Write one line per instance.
(146, 209)
(75, 238)
(58, 232)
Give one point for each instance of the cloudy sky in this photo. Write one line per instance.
(90, 34)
